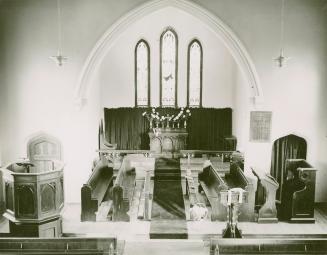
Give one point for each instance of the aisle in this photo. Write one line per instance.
(168, 218)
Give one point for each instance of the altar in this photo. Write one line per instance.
(167, 142)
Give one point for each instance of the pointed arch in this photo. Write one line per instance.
(168, 67)
(194, 73)
(227, 36)
(142, 73)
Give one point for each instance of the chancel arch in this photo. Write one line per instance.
(216, 25)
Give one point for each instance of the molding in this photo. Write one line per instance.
(108, 39)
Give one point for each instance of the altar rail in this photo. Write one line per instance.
(58, 246)
(225, 155)
(268, 246)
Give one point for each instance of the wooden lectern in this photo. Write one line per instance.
(232, 199)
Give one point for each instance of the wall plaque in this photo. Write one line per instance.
(260, 126)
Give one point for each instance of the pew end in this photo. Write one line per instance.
(265, 198)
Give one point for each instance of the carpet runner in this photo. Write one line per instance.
(168, 220)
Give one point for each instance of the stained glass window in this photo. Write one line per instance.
(194, 74)
(142, 72)
(168, 65)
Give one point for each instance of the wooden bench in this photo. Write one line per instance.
(268, 246)
(237, 179)
(122, 192)
(211, 183)
(58, 246)
(94, 191)
(298, 192)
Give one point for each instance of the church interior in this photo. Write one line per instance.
(163, 126)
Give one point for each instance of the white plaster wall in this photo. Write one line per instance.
(117, 69)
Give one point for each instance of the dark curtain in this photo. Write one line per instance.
(287, 147)
(129, 129)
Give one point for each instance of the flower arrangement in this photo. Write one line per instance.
(168, 120)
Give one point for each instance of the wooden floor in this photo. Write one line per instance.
(134, 235)
(197, 230)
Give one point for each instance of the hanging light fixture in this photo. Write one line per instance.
(281, 59)
(59, 58)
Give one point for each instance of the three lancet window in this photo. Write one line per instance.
(168, 71)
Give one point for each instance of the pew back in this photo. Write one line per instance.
(58, 246)
(237, 179)
(211, 183)
(268, 246)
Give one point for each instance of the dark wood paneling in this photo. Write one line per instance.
(25, 200)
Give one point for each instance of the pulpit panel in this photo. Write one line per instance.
(25, 200)
(48, 197)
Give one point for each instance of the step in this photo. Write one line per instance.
(168, 229)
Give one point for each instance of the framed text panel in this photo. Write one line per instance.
(260, 126)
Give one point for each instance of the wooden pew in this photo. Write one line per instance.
(268, 246)
(237, 179)
(58, 246)
(266, 198)
(211, 183)
(298, 193)
(122, 192)
(94, 191)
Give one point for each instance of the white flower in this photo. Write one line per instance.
(153, 110)
(143, 114)
(188, 110)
